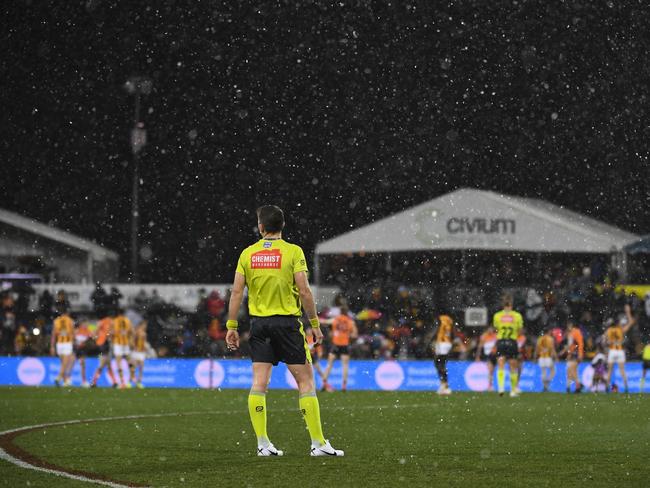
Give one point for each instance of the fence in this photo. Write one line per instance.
(364, 375)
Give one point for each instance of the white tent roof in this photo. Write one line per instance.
(477, 219)
(98, 252)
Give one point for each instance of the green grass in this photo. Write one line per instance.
(390, 439)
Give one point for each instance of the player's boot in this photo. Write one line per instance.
(325, 450)
(85, 384)
(514, 394)
(57, 381)
(67, 382)
(140, 385)
(269, 450)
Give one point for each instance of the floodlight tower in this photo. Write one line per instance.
(137, 86)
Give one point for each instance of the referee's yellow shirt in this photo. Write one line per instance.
(269, 266)
(507, 323)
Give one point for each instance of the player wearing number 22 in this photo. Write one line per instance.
(275, 273)
(507, 323)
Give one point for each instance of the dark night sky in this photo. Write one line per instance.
(341, 112)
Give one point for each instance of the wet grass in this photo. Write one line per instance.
(415, 439)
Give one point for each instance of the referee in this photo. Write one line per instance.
(275, 273)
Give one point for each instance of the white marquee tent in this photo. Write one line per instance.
(469, 219)
(77, 260)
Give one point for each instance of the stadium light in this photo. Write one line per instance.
(136, 86)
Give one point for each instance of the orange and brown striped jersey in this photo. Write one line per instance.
(140, 340)
(445, 327)
(122, 330)
(615, 337)
(64, 329)
(545, 346)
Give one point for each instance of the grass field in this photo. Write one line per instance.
(390, 439)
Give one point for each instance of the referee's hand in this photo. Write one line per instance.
(318, 335)
(232, 340)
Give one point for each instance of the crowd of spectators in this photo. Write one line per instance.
(394, 320)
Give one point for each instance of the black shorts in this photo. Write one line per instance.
(646, 365)
(104, 349)
(339, 350)
(507, 348)
(278, 338)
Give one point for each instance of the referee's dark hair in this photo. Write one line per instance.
(271, 217)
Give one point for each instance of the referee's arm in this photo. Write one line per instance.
(308, 303)
(236, 297)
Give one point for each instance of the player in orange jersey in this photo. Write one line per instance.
(575, 352)
(442, 347)
(82, 336)
(342, 330)
(139, 353)
(546, 356)
(61, 343)
(103, 341)
(615, 335)
(487, 351)
(122, 340)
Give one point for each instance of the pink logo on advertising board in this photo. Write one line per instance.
(477, 377)
(31, 371)
(291, 381)
(389, 375)
(209, 374)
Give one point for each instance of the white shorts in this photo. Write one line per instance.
(63, 348)
(616, 356)
(119, 350)
(138, 356)
(443, 348)
(545, 362)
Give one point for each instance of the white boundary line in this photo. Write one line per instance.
(64, 474)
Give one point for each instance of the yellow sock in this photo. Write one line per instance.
(257, 411)
(501, 379)
(514, 375)
(311, 411)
